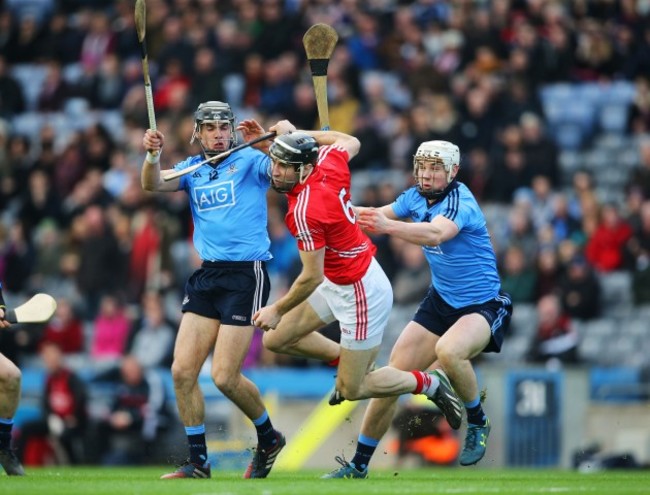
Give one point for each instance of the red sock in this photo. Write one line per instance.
(423, 381)
(334, 362)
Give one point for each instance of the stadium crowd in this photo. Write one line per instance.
(77, 224)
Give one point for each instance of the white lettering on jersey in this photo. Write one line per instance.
(214, 196)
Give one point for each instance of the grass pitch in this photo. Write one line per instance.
(456, 481)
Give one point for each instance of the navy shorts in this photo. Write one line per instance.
(437, 316)
(229, 291)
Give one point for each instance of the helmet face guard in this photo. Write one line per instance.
(215, 112)
(441, 152)
(292, 150)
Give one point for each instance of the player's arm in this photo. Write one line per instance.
(151, 175)
(336, 138)
(251, 129)
(432, 233)
(310, 277)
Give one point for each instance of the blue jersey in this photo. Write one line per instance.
(463, 269)
(229, 206)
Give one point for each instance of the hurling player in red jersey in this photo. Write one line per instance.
(340, 278)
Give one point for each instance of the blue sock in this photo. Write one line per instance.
(266, 435)
(475, 414)
(365, 449)
(196, 441)
(5, 433)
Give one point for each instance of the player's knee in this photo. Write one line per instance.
(225, 382)
(447, 354)
(273, 342)
(349, 390)
(10, 377)
(182, 375)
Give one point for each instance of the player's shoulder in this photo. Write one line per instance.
(189, 161)
(459, 191)
(332, 154)
(409, 195)
(251, 153)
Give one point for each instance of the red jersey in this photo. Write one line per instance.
(320, 215)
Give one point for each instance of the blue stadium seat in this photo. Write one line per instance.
(31, 77)
(27, 123)
(620, 384)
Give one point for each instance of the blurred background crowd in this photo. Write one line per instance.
(548, 100)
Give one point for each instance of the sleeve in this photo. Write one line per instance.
(310, 230)
(461, 210)
(2, 300)
(184, 179)
(262, 164)
(401, 205)
(334, 160)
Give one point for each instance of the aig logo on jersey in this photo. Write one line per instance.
(214, 196)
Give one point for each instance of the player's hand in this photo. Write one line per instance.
(267, 318)
(250, 129)
(283, 127)
(372, 220)
(153, 141)
(3, 323)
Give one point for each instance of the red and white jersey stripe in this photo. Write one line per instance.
(320, 216)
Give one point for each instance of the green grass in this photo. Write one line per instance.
(455, 481)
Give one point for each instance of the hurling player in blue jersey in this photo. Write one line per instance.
(228, 203)
(464, 312)
(10, 378)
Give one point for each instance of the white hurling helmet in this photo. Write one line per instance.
(445, 151)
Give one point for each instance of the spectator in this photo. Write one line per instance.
(55, 90)
(12, 99)
(207, 78)
(548, 272)
(98, 42)
(517, 278)
(580, 290)
(65, 329)
(153, 340)
(64, 415)
(26, 43)
(136, 416)
(555, 339)
(540, 153)
(110, 330)
(604, 248)
(414, 277)
(101, 265)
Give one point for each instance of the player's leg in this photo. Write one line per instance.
(297, 334)
(462, 342)
(232, 346)
(195, 340)
(247, 289)
(414, 349)
(10, 378)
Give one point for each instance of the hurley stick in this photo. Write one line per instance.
(141, 26)
(38, 309)
(319, 42)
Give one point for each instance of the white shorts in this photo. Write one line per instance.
(362, 308)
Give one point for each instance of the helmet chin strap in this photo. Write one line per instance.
(435, 196)
(304, 176)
